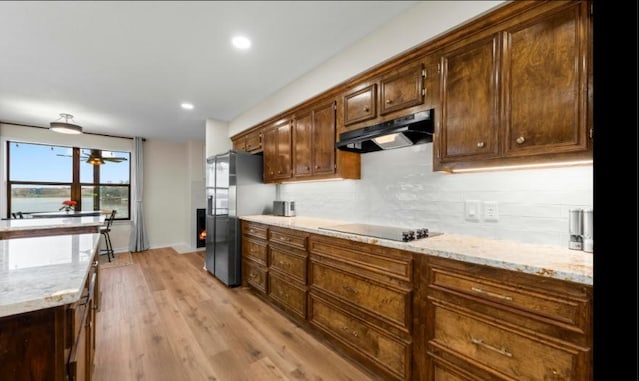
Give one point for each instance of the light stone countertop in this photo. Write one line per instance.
(543, 260)
(43, 272)
(48, 223)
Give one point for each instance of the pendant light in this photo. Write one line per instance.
(65, 127)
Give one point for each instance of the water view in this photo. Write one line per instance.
(53, 204)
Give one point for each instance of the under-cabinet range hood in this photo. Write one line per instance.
(401, 132)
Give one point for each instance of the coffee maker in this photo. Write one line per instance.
(575, 229)
(587, 231)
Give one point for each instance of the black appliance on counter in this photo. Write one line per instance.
(385, 232)
(234, 187)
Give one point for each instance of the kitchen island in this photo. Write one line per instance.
(448, 306)
(35, 227)
(47, 306)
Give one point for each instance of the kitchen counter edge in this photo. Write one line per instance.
(542, 260)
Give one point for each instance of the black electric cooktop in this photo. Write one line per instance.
(385, 232)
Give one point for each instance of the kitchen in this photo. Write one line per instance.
(532, 204)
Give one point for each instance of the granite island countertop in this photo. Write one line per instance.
(543, 260)
(44, 272)
(49, 223)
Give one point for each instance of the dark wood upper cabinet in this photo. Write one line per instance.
(376, 100)
(302, 143)
(277, 151)
(519, 92)
(360, 104)
(402, 89)
(314, 140)
(545, 83)
(510, 87)
(248, 142)
(470, 100)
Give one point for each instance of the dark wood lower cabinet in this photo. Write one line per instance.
(474, 322)
(408, 316)
(375, 347)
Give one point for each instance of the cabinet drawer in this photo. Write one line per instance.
(290, 263)
(286, 293)
(533, 301)
(256, 275)
(371, 258)
(254, 230)
(288, 237)
(513, 354)
(387, 352)
(256, 250)
(385, 302)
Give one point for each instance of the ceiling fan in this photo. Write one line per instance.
(95, 157)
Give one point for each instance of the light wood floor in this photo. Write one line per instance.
(165, 318)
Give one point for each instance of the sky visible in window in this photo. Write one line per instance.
(37, 162)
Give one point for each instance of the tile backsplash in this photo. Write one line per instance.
(398, 187)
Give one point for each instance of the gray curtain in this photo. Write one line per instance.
(139, 241)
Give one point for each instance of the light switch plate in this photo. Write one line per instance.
(472, 210)
(490, 212)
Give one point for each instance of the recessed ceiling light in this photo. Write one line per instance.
(187, 106)
(241, 42)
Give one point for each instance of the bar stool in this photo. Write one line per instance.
(105, 230)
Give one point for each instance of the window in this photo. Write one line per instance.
(42, 176)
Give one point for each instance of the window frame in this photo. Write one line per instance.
(75, 184)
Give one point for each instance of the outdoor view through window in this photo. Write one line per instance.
(42, 176)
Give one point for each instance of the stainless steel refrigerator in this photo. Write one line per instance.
(234, 187)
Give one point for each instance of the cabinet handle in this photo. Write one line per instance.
(350, 289)
(252, 275)
(252, 231)
(481, 291)
(388, 101)
(354, 333)
(307, 167)
(480, 145)
(317, 167)
(501, 351)
(366, 109)
(520, 140)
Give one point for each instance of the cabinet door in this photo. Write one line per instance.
(470, 101)
(324, 138)
(238, 144)
(545, 85)
(283, 150)
(302, 144)
(270, 154)
(253, 141)
(402, 89)
(360, 104)
(277, 151)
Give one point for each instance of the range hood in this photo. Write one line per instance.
(401, 132)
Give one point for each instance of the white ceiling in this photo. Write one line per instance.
(123, 68)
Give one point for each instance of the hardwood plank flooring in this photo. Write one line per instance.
(165, 318)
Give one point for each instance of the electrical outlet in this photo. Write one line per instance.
(472, 210)
(491, 211)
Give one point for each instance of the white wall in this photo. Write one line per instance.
(166, 197)
(399, 186)
(217, 138)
